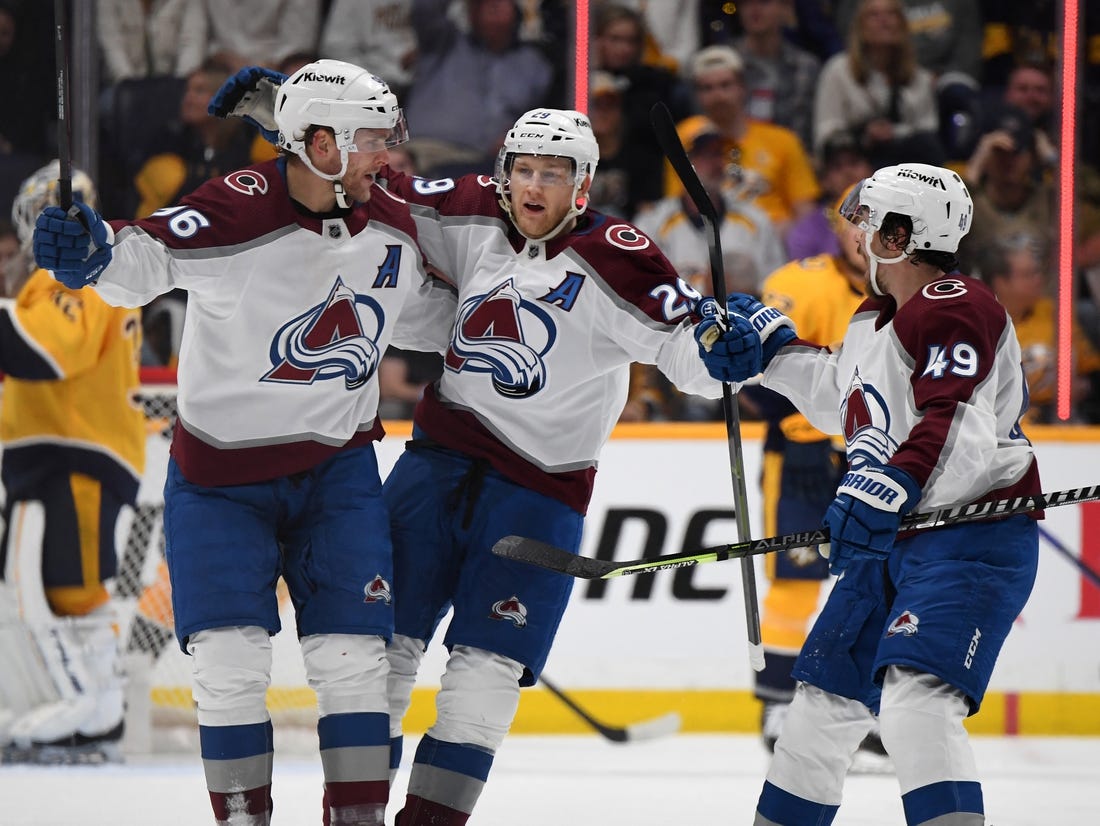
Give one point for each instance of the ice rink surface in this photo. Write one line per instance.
(580, 781)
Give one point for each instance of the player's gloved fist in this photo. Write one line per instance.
(728, 345)
(864, 517)
(774, 328)
(74, 245)
(250, 94)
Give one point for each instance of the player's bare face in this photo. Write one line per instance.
(541, 189)
(851, 246)
(363, 165)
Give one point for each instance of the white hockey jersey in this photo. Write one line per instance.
(288, 315)
(935, 388)
(537, 370)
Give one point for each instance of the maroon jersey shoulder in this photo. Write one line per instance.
(470, 195)
(387, 208)
(949, 309)
(632, 265)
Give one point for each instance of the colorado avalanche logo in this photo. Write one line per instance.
(866, 421)
(377, 590)
(510, 609)
(329, 341)
(502, 334)
(905, 624)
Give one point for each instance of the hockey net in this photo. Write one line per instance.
(159, 673)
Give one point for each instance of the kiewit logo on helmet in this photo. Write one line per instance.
(922, 177)
(319, 78)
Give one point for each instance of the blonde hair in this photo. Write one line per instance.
(902, 64)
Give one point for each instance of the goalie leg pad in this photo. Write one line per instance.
(24, 681)
(81, 654)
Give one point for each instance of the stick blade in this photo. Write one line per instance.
(663, 726)
(544, 555)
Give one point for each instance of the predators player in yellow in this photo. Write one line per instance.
(802, 467)
(73, 455)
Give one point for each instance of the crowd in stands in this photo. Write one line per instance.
(781, 104)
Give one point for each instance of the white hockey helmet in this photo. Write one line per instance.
(563, 133)
(933, 198)
(41, 190)
(345, 98)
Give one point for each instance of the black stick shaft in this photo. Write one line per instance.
(673, 147)
(64, 129)
(612, 733)
(555, 559)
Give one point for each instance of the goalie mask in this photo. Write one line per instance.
(559, 133)
(347, 99)
(39, 191)
(929, 204)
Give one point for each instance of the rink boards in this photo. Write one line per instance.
(641, 646)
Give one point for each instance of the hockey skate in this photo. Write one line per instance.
(75, 750)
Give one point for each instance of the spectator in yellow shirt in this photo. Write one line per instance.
(1014, 267)
(768, 164)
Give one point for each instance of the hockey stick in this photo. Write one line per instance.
(64, 136)
(645, 730)
(1088, 572)
(555, 559)
(671, 145)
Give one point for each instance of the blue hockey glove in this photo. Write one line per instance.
(250, 94)
(774, 328)
(864, 517)
(74, 245)
(728, 345)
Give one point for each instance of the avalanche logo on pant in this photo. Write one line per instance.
(905, 624)
(866, 420)
(329, 341)
(502, 334)
(378, 590)
(510, 609)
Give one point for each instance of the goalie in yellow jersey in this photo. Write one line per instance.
(802, 468)
(73, 455)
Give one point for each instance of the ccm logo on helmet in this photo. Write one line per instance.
(920, 176)
(317, 78)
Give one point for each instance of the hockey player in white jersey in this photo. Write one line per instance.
(555, 302)
(927, 390)
(296, 271)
